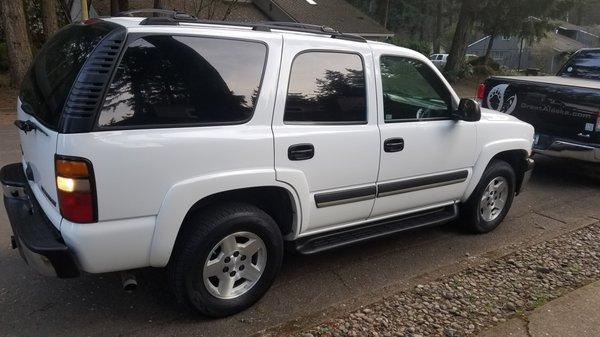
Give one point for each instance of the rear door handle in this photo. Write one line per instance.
(301, 152)
(393, 145)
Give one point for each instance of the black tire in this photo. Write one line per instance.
(206, 229)
(471, 217)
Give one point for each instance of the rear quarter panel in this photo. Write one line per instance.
(162, 172)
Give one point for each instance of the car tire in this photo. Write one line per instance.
(482, 213)
(206, 247)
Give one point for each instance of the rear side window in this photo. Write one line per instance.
(328, 88)
(585, 64)
(50, 77)
(165, 80)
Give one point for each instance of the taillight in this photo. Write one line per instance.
(76, 189)
(480, 92)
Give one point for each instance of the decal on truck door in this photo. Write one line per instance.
(502, 98)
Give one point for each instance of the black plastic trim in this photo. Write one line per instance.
(347, 236)
(346, 196)
(414, 184)
(87, 93)
(31, 227)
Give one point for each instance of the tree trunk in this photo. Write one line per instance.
(114, 7)
(381, 11)
(488, 51)
(123, 5)
(456, 56)
(49, 18)
(159, 4)
(437, 33)
(17, 40)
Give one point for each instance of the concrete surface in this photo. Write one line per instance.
(572, 315)
(562, 196)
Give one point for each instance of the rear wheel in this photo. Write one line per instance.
(226, 259)
(491, 200)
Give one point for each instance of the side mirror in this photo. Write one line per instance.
(468, 110)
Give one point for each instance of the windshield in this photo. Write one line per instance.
(50, 77)
(584, 64)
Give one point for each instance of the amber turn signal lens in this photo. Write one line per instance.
(71, 169)
(75, 188)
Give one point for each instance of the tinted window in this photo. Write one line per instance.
(172, 80)
(50, 77)
(585, 64)
(412, 91)
(326, 87)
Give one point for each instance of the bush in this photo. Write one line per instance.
(422, 47)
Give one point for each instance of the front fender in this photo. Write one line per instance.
(182, 196)
(489, 151)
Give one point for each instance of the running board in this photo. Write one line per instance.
(348, 236)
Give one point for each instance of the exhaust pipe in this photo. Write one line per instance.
(128, 281)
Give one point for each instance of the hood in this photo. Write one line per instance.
(492, 115)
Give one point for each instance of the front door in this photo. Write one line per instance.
(427, 157)
(326, 134)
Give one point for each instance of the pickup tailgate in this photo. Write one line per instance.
(556, 106)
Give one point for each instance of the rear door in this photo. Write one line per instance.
(326, 135)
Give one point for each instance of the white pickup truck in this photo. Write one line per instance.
(205, 148)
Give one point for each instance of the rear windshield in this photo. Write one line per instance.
(50, 77)
(585, 64)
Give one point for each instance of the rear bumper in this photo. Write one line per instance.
(39, 242)
(572, 150)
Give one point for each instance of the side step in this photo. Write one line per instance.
(347, 236)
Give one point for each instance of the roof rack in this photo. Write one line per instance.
(172, 17)
(165, 12)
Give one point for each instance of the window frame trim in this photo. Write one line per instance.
(132, 37)
(327, 123)
(451, 107)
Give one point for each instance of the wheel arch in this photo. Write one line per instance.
(277, 199)
(515, 152)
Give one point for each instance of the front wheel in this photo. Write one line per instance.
(227, 259)
(490, 201)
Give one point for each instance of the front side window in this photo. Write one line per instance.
(167, 80)
(328, 88)
(412, 91)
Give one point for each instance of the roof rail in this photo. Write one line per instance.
(167, 13)
(174, 18)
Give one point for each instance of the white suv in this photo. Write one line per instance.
(206, 147)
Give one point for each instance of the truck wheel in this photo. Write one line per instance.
(226, 259)
(490, 201)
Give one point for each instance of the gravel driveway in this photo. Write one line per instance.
(465, 303)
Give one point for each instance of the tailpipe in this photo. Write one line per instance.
(128, 281)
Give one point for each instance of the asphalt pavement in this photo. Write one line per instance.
(562, 196)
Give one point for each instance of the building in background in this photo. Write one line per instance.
(548, 54)
(337, 14)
